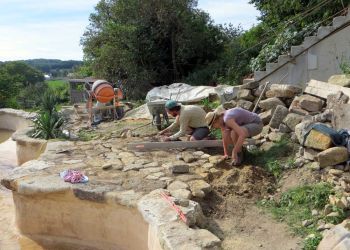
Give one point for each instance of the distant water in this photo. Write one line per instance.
(10, 239)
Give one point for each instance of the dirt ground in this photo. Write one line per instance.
(231, 207)
(234, 216)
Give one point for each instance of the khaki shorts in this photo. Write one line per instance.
(253, 128)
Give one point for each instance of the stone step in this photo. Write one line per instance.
(339, 21)
(324, 31)
(282, 59)
(295, 50)
(271, 67)
(259, 75)
(309, 41)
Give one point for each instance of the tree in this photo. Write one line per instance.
(155, 41)
(17, 80)
(286, 23)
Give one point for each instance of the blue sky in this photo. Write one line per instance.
(53, 28)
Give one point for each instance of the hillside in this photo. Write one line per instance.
(53, 67)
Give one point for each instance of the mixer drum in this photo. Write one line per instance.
(103, 91)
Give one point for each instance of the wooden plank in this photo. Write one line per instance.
(144, 146)
(323, 89)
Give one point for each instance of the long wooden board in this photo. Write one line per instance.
(143, 146)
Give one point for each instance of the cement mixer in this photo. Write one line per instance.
(102, 92)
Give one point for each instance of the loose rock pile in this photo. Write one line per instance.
(287, 113)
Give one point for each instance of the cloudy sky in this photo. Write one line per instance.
(52, 28)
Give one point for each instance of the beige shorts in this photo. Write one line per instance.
(253, 128)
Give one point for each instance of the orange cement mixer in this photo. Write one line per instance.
(103, 92)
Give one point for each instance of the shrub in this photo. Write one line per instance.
(48, 123)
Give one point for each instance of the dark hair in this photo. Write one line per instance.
(176, 108)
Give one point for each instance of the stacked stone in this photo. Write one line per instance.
(287, 112)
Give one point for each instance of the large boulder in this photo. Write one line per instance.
(280, 113)
(317, 140)
(334, 100)
(249, 84)
(245, 94)
(283, 91)
(270, 103)
(266, 116)
(310, 103)
(292, 120)
(340, 80)
(332, 156)
(245, 104)
(229, 105)
(336, 238)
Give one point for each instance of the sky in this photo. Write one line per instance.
(52, 29)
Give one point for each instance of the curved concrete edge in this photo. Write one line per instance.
(27, 148)
(157, 224)
(13, 119)
(60, 220)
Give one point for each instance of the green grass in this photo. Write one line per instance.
(296, 205)
(61, 90)
(87, 135)
(57, 84)
(274, 159)
(216, 133)
(208, 105)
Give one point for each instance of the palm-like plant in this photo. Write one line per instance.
(47, 126)
(48, 123)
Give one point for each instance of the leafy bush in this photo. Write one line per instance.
(345, 67)
(216, 133)
(280, 45)
(311, 243)
(208, 105)
(28, 97)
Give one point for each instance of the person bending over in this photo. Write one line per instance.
(190, 119)
(236, 124)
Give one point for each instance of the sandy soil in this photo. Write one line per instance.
(234, 216)
(10, 239)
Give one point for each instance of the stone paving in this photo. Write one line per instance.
(134, 179)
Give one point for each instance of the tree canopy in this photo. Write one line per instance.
(166, 41)
(159, 41)
(15, 78)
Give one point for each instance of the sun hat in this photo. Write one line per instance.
(211, 116)
(170, 104)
